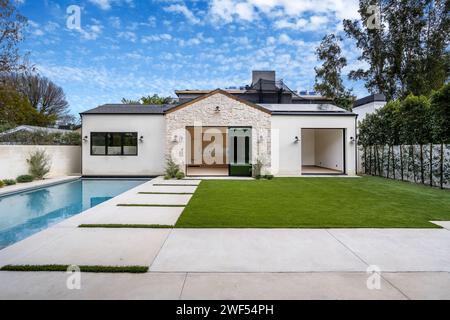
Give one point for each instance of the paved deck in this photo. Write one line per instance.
(224, 263)
(35, 184)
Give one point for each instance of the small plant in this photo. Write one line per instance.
(24, 178)
(257, 168)
(9, 182)
(268, 176)
(39, 164)
(179, 175)
(2, 184)
(172, 170)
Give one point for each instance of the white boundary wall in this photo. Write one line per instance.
(66, 160)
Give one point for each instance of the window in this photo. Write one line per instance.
(114, 143)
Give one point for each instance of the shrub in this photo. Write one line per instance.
(42, 138)
(172, 170)
(9, 182)
(268, 176)
(39, 164)
(179, 175)
(24, 178)
(1, 184)
(257, 167)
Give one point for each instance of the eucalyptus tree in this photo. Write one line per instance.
(328, 77)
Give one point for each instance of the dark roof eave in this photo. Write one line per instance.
(293, 113)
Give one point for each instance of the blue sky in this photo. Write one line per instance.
(130, 48)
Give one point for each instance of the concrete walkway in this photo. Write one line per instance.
(223, 263)
(35, 184)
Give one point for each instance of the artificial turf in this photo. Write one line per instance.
(315, 203)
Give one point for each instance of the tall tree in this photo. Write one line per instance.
(406, 49)
(11, 25)
(328, 77)
(154, 99)
(44, 95)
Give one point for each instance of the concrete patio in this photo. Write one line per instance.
(223, 263)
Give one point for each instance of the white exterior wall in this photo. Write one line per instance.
(365, 109)
(150, 160)
(287, 154)
(65, 160)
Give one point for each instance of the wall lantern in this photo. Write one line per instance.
(141, 139)
(217, 109)
(175, 138)
(85, 138)
(352, 140)
(296, 140)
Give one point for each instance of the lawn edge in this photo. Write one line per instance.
(83, 268)
(132, 226)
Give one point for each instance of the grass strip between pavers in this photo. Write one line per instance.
(63, 268)
(152, 205)
(174, 185)
(134, 226)
(169, 193)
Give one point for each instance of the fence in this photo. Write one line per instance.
(65, 160)
(425, 164)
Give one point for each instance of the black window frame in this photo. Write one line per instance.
(121, 144)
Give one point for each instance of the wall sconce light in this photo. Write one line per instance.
(175, 138)
(296, 140)
(217, 109)
(352, 140)
(260, 139)
(85, 138)
(141, 139)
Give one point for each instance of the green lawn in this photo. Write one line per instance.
(314, 203)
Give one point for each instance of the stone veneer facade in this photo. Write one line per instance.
(233, 113)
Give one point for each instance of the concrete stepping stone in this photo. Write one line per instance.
(84, 246)
(157, 199)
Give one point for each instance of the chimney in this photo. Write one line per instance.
(265, 75)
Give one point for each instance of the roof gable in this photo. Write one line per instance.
(218, 91)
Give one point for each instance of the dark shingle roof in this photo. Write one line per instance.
(130, 109)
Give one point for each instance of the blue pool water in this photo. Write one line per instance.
(26, 213)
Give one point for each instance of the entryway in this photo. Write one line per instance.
(323, 151)
(218, 151)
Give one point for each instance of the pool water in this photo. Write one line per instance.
(26, 213)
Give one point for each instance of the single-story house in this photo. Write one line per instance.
(223, 132)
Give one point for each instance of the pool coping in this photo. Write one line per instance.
(6, 191)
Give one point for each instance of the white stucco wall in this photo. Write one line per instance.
(364, 110)
(308, 147)
(65, 160)
(150, 160)
(287, 154)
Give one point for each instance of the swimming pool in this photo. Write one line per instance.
(29, 212)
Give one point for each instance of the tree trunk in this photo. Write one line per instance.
(442, 166)
(388, 160)
(431, 164)
(401, 161)
(422, 169)
(393, 162)
(365, 159)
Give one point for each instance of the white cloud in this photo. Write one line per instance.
(102, 4)
(156, 37)
(249, 10)
(128, 35)
(312, 23)
(107, 4)
(182, 9)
